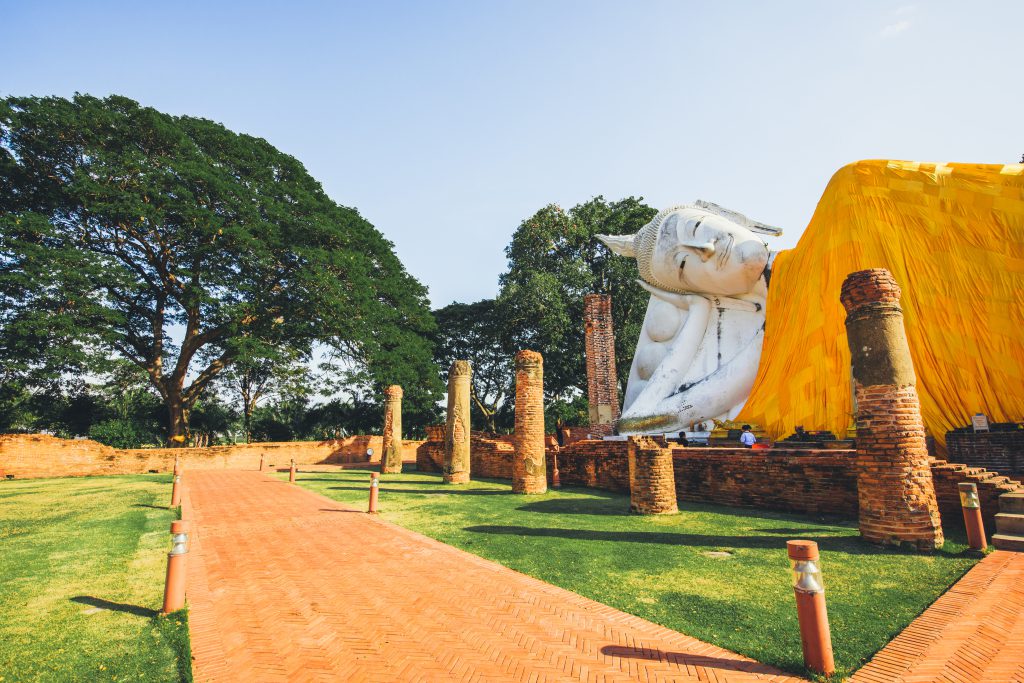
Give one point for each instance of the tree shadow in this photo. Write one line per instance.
(336, 510)
(155, 507)
(425, 492)
(687, 659)
(100, 603)
(605, 506)
(851, 545)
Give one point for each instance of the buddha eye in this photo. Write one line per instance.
(695, 226)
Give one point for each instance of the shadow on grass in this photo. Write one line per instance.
(100, 603)
(846, 544)
(593, 505)
(686, 659)
(155, 507)
(424, 492)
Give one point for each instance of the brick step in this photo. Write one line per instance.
(997, 479)
(1010, 524)
(1012, 503)
(1007, 542)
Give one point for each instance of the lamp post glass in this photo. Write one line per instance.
(969, 498)
(179, 543)
(807, 576)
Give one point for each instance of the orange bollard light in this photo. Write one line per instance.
(174, 589)
(263, 456)
(374, 490)
(176, 488)
(810, 606)
(556, 480)
(291, 473)
(971, 504)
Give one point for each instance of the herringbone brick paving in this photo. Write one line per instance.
(974, 632)
(286, 585)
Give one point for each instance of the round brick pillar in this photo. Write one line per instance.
(456, 433)
(652, 480)
(602, 386)
(391, 451)
(528, 466)
(894, 481)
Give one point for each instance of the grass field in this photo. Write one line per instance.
(82, 566)
(659, 568)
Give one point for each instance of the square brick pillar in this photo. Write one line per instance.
(529, 473)
(894, 481)
(602, 385)
(652, 478)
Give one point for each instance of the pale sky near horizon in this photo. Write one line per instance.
(448, 123)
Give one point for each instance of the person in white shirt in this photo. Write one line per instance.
(747, 438)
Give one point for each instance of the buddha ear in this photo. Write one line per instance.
(737, 217)
(619, 244)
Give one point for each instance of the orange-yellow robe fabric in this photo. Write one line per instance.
(953, 237)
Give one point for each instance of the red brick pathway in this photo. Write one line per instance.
(974, 632)
(286, 585)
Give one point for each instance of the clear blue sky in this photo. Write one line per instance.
(447, 123)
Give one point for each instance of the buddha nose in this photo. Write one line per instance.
(703, 249)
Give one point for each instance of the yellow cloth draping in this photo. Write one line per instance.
(953, 237)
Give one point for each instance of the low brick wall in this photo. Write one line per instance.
(1000, 450)
(817, 482)
(490, 455)
(597, 464)
(40, 455)
(813, 482)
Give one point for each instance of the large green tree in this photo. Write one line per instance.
(554, 260)
(182, 247)
(474, 332)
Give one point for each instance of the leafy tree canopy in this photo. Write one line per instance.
(119, 223)
(554, 260)
(475, 332)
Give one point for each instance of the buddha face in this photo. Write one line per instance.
(699, 251)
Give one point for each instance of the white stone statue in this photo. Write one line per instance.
(707, 270)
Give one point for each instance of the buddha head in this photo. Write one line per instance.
(699, 248)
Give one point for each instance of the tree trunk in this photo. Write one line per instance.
(247, 421)
(177, 422)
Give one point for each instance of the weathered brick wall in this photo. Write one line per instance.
(594, 463)
(816, 482)
(490, 454)
(812, 482)
(40, 455)
(652, 488)
(1002, 451)
(599, 342)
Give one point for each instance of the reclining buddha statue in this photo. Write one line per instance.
(734, 331)
(707, 269)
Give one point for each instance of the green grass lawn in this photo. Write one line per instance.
(82, 564)
(658, 568)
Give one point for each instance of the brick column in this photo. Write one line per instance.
(456, 433)
(528, 466)
(894, 481)
(602, 387)
(652, 480)
(391, 451)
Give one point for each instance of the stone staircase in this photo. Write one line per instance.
(1010, 522)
